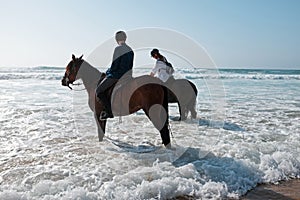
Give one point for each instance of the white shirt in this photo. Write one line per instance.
(160, 71)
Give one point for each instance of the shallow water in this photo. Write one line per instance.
(50, 150)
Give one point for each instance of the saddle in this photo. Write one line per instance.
(120, 94)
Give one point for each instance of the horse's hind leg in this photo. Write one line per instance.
(165, 136)
(180, 113)
(158, 117)
(183, 112)
(192, 108)
(193, 112)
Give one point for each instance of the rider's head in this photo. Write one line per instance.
(120, 36)
(155, 53)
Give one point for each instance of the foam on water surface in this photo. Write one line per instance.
(50, 150)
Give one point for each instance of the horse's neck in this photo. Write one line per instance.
(89, 76)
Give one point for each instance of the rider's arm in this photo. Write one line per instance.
(116, 60)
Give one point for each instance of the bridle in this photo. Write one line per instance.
(71, 71)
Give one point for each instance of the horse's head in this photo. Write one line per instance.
(71, 71)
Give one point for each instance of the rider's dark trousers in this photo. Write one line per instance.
(102, 94)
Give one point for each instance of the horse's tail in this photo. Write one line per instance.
(192, 103)
(194, 87)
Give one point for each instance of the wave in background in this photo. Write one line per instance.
(56, 73)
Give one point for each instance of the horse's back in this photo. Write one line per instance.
(183, 88)
(136, 93)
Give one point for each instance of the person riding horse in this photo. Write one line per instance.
(180, 91)
(162, 68)
(122, 64)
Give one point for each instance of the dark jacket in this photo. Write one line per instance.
(122, 62)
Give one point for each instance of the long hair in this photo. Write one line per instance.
(160, 57)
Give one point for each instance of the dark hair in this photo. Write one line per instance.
(156, 51)
(120, 36)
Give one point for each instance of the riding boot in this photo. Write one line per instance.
(102, 94)
(107, 113)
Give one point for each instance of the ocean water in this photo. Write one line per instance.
(49, 147)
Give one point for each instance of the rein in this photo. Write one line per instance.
(76, 84)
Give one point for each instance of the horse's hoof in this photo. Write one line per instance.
(168, 146)
(100, 139)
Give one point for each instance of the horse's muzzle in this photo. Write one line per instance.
(64, 82)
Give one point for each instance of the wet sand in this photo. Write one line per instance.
(286, 190)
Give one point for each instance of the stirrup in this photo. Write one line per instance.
(105, 115)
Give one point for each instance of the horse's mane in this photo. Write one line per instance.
(89, 74)
(92, 69)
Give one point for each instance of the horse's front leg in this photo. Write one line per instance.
(100, 126)
(98, 108)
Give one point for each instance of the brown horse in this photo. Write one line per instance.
(184, 93)
(144, 92)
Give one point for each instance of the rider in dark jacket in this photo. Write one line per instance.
(122, 63)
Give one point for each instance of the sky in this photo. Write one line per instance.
(236, 34)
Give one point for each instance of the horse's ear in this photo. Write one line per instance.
(80, 57)
(73, 57)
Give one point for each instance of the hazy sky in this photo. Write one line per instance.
(236, 33)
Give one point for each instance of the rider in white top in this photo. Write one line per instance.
(160, 70)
